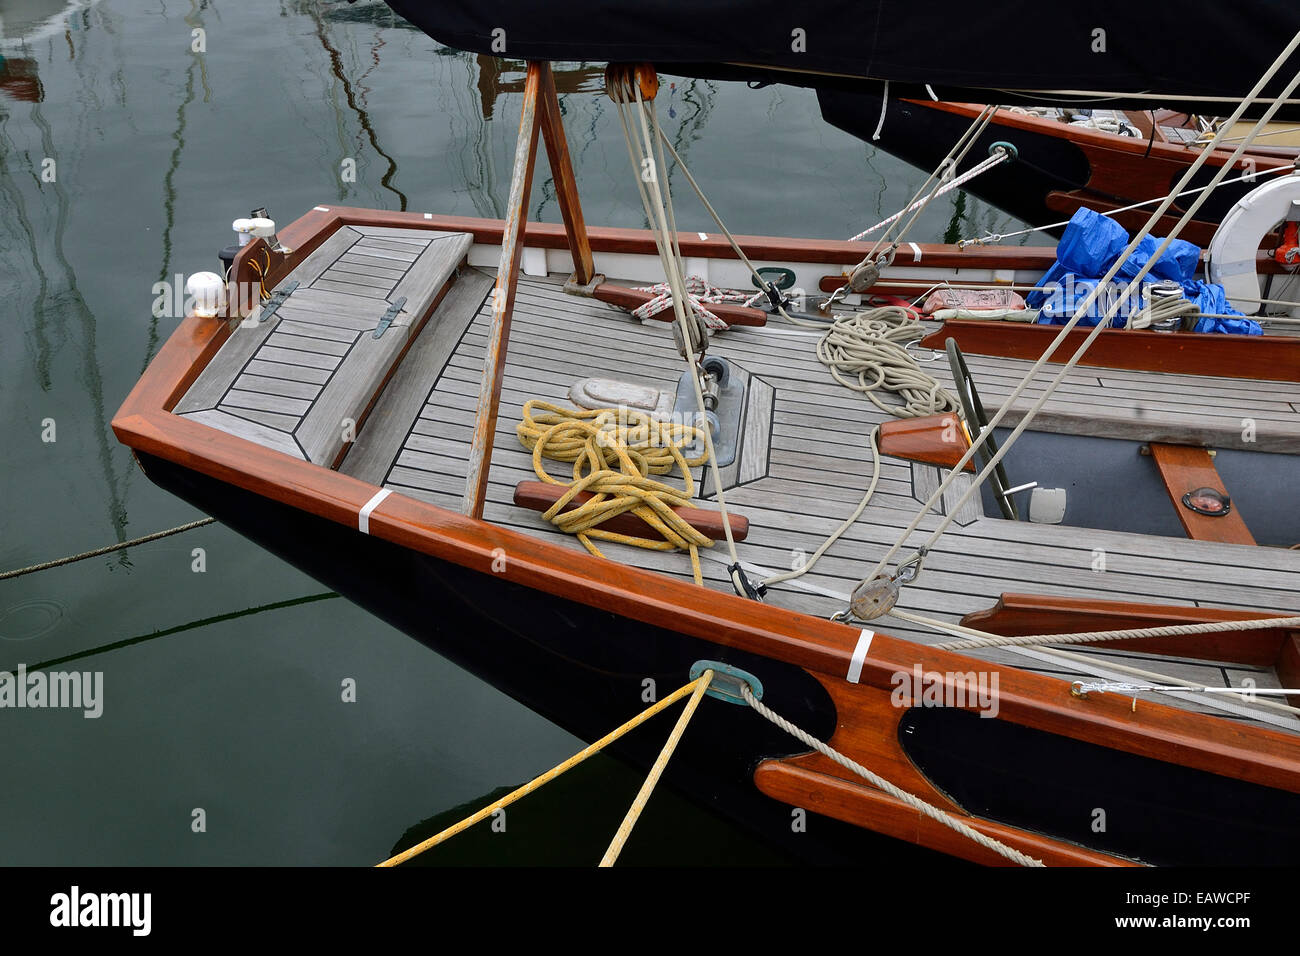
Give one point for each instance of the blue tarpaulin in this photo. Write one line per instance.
(1091, 245)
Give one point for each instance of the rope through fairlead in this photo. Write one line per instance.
(695, 687)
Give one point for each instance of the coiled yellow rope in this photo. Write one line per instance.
(614, 451)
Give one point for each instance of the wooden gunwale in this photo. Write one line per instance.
(1160, 149)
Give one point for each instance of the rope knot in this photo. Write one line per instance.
(698, 294)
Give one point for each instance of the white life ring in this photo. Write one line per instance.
(1233, 248)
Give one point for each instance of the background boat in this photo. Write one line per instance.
(1104, 161)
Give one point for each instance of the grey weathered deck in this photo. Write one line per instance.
(300, 380)
(417, 443)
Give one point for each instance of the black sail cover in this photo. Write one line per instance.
(1202, 56)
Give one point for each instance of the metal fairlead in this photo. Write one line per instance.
(1002, 146)
(727, 681)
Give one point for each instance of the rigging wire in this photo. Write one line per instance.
(1083, 310)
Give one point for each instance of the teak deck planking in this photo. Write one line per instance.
(301, 379)
(818, 467)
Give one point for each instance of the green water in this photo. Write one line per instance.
(222, 689)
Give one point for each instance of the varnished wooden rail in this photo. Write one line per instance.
(1268, 357)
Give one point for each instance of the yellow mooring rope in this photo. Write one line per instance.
(696, 688)
(652, 778)
(614, 451)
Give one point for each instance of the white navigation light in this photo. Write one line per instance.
(263, 228)
(244, 230)
(207, 290)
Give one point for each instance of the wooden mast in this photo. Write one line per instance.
(566, 184)
(541, 111)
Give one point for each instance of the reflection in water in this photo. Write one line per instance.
(65, 301)
(560, 825)
(954, 231)
(169, 179)
(336, 67)
(497, 76)
(17, 215)
(476, 169)
(182, 628)
(698, 97)
(18, 79)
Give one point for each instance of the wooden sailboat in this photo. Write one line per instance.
(361, 420)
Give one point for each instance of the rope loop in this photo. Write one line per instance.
(868, 352)
(614, 452)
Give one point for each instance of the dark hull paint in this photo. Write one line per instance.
(583, 669)
(578, 666)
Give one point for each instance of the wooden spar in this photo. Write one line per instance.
(503, 296)
(541, 111)
(566, 184)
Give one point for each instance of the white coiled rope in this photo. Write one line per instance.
(867, 352)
